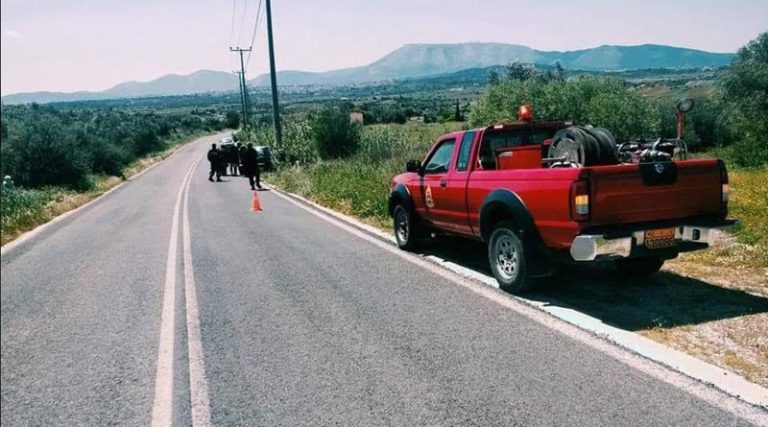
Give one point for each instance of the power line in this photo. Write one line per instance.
(232, 27)
(242, 23)
(253, 36)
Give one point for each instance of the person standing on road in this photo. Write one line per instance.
(251, 166)
(214, 158)
(233, 159)
(240, 157)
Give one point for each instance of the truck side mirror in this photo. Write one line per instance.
(413, 166)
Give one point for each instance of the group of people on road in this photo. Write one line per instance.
(239, 158)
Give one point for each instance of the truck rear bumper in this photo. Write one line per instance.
(591, 247)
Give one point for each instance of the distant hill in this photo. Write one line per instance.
(46, 97)
(202, 81)
(417, 60)
(174, 84)
(407, 62)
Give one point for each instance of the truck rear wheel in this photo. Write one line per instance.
(407, 229)
(639, 267)
(507, 258)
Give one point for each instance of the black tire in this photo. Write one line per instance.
(590, 144)
(585, 146)
(506, 256)
(609, 153)
(639, 267)
(408, 230)
(567, 143)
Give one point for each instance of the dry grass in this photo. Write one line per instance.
(739, 344)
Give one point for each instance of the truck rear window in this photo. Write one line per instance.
(515, 137)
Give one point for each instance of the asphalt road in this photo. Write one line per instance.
(300, 323)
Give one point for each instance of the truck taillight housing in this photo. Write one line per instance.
(724, 189)
(580, 201)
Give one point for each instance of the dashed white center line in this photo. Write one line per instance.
(162, 408)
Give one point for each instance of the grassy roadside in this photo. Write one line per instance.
(24, 209)
(712, 304)
(743, 264)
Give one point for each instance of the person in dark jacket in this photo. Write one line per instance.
(214, 158)
(233, 158)
(251, 166)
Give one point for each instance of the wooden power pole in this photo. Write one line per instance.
(273, 78)
(243, 86)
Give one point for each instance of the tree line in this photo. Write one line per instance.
(732, 118)
(48, 146)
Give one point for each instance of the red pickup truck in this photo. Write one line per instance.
(501, 185)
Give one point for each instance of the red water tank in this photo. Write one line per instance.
(521, 157)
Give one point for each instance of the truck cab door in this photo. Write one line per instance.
(456, 216)
(432, 194)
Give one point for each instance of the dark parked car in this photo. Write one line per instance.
(265, 157)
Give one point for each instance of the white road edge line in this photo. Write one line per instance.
(162, 407)
(198, 385)
(747, 407)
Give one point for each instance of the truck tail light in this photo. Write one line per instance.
(724, 189)
(580, 204)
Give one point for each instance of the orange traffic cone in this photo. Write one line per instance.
(255, 203)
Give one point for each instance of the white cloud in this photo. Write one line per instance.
(11, 34)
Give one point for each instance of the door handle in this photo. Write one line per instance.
(443, 183)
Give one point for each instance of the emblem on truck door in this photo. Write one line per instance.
(428, 200)
(659, 167)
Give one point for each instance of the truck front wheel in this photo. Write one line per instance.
(407, 230)
(639, 267)
(507, 258)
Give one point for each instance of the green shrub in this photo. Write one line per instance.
(296, 146)
(746, 89)
(232, 120)
(42, 152)
(44, 145)
(334, 135)
(586, 100)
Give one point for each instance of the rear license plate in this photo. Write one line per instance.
(660, 238)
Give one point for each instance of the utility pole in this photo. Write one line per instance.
(242, 99)
(243, 87)
(273, 78)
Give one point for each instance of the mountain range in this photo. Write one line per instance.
(407, 62)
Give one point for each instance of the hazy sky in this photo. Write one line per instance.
(69, 45)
